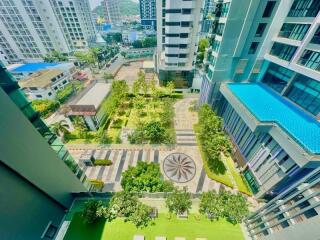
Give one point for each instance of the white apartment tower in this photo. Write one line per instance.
(112, 11)
(30, 29)
(178, 25)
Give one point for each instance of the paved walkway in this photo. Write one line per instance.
(184, 121)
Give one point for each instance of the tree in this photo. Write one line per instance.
(149, 42)
(45, 107)
(170, 87)
(236, 208)
(178, 202)
(203, 43)
(141, 216)
(155, 132)
(60, 128)
(92, 211)
(211, 205)
(55, 56)
(136, 87)
(145, 177)
(123, 204)
(137, 44)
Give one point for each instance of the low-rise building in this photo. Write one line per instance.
(88, 105)
(44, 84)
(20, 71)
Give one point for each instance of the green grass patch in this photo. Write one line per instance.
(222, 178)
(191, 228)
(242, 186)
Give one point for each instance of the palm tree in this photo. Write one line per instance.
(60, 128)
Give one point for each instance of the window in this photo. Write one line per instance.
(269, 9)
(294, 31)
(39, 96)
(185, 24)
(49, 93)
(304, 8)
(283, 51)
(50, 232)
(173, 11)
(316, 37)
(260, 29)
(182, 55)
(219, 28)
(310, 213)
(253, 47)
(277, 77)
(225, 9)
(172, 23)
(305, 92)
(310, 59)
(64, 81)
(184, 35)
(172, 55)
(186, 11)
(172, 35)
(183, 46)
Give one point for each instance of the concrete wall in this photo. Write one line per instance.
(23, 149)
(25, 211)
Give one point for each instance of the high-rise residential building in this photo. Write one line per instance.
(262, 77)
(178, 26)
(112, 11)
(207, 21)
(294, 214)
(30, 29)
(38, 175)
(148, 14)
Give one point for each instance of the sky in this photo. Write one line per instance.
(94, 3)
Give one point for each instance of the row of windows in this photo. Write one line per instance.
(283, 51)
(304, 8)
(294, 31)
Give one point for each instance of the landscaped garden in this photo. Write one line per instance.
(215, 148)
(146, 111)
(127, 213)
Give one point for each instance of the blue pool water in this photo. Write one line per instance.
(32, 67)
(267, 106)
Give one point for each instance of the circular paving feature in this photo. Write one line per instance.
(179, 167)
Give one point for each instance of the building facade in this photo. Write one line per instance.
(112, 11)
(30, 29)
(38, 175)
(262, 76)
(148, 14)
(45, 84)
(178, 26)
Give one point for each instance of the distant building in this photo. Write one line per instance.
(178, 27)
(112, 11)
(148, 14)
(140, 52)
(44, 84)
(88, 105)
(129, 36)
(20, 71)
(31, 29)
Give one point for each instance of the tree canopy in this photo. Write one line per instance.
(179, 201)
(145, 177)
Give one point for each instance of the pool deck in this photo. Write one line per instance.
(268, 107)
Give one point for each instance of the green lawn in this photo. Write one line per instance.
(222, 178)
(242, 186)
(119, 230)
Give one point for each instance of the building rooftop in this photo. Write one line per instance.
(40, 79)
(95, 95)
(268, 106)
(148, 64)
(31, 67)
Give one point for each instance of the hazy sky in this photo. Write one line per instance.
(94, 3)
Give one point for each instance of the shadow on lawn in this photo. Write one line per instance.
(78, 230)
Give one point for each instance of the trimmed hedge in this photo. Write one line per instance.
(102, 162)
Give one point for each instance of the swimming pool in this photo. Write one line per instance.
(267, 106)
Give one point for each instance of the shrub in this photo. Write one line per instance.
(117, 123)
(45, 107)
(97, 184)
(102, 162)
